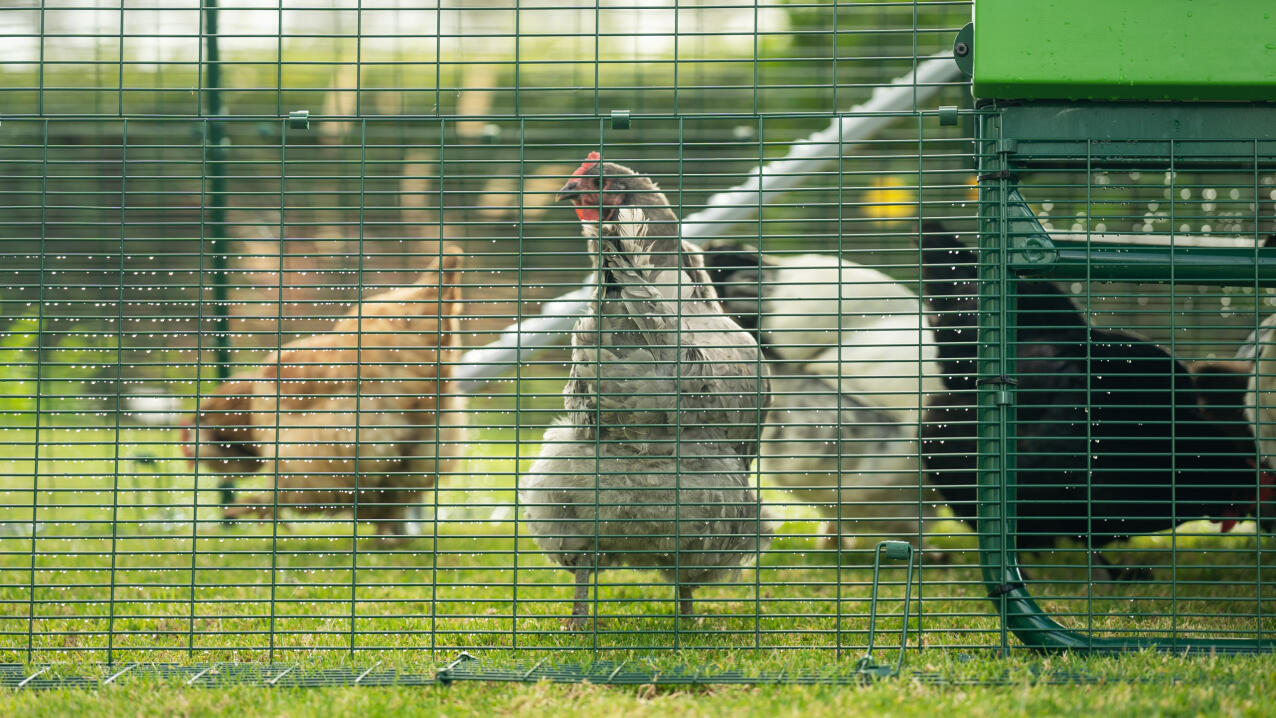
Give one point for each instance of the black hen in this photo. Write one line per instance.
(1114, 436)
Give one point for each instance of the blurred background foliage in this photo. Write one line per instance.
(458, 120)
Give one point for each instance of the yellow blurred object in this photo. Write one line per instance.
(890, 198)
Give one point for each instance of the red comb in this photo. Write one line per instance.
(591, 160)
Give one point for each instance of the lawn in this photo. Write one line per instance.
(1144, 685)
(129, 564)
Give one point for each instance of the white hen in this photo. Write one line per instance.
(851, 360)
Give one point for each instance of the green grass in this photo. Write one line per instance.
(151, 586)
(204, 592)
(1149, 685)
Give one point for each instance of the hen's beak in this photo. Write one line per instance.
(569, 190)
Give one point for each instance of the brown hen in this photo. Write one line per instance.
(359, 417)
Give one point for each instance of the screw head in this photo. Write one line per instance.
(961, 49)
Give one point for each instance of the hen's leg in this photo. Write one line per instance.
(831, 539)
(258, 506)
(686, 606)
(580, 610)
(386, 509)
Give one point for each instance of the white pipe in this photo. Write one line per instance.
(1158, 240)
(518, 341)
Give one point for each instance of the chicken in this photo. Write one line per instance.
(650, 466)
(1114, 436)
(367, 403)
(827, 327)
(1256, 358)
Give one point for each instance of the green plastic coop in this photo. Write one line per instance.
(1087, 85)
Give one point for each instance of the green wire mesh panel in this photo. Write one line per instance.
(1125, 287)
(261, 398)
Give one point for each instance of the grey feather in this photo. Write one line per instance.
(650, 466)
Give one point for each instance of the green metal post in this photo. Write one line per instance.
(995, 410)
(215, 140)
(215, 227)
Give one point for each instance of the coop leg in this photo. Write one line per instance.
(686, 606)
(580, 610)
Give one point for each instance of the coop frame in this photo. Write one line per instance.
(1015, 138)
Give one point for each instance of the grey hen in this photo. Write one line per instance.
(650, 467)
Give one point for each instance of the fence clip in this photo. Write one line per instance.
(999, 175)
(1006, 588)
(1003, 385)
(866, 666)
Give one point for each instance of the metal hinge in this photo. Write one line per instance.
(1003, 385)
(999, 175)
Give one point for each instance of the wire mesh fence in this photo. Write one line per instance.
(1144, 420)
(255, 253)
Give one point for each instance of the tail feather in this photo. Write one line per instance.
(950, 286)
(949, 273)
(733, 271)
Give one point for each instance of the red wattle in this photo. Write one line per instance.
(1266, 495)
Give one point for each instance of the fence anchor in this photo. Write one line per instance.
(866, 666)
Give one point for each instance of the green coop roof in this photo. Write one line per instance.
(1188, 50)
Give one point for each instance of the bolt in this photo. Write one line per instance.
(961, 49)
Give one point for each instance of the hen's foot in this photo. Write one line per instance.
(578, 623)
